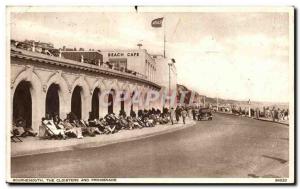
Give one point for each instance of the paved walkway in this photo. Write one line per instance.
(285, 122)
(35, 145)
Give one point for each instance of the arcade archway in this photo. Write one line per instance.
(22, 103)
(110, 107)
(122, 101)
(76, 102)
(52, 100)
(95, 104)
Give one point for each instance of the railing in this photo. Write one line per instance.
(30, 48)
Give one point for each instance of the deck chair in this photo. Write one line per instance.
(14, 137)
(51, 132)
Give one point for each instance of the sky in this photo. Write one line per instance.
(232, 55)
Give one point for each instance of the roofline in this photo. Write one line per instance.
(109, 50)
(80, 51)
(28, 55)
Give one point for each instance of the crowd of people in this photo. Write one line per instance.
(52, 126)
(275, 114)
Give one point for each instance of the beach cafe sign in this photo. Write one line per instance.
(122, 54)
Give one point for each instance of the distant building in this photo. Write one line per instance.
(191, 97)
(90, 57)
(137, 60)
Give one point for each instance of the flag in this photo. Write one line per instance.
(157, 23)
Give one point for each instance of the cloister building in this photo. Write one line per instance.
(42, 84)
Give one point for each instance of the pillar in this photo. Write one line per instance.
(64, 103)
(103, 109)
(86, 105)
(117, 106)
(38, 99)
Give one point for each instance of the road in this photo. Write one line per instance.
(227, 146)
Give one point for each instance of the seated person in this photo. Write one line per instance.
(137, 123)
(92, 122)
(110, 119)
(153, 119)
(132, 114)
(58, 122)
(71, 130)
(130, 123)
(123, 123)
(140, 121)
(150, 122)
(146, 122)
(158, 112)
(101, 124)
(20, 129)
(87, 130)
(163, 119)
(54, 131)
(166, 119)
(140, 113)
(122, 113)
(112, 123)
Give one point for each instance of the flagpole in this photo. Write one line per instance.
(165, 38)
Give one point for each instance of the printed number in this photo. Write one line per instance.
(281, 180)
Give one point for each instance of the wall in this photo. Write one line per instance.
(162, 76)
(41, 71)
(162, 73)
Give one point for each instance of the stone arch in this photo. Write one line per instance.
(22, 104)
(35, 92)
(138, 92)
(102, 87)
(111, 101)
(52, 103)
(80, 81)
(125, 100)
(85, 96)
(95, 103)
(112, 85)
(124, 86)
(63, 92)
(124, 93)
(98, 84)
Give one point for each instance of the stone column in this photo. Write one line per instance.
(64, 103)
(117, 105)
(141, 104)
(38, 97)
(103, 98)
(103, 108)
(127, 106)
(86, 105)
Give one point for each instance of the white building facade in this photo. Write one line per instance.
(137, 60)
(166, 73)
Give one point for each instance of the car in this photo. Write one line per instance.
(204, 114)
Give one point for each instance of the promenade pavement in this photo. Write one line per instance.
(285, 122)
(36, 145)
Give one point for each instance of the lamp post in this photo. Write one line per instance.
(217, 103)
(249, 103)
(170, 64)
